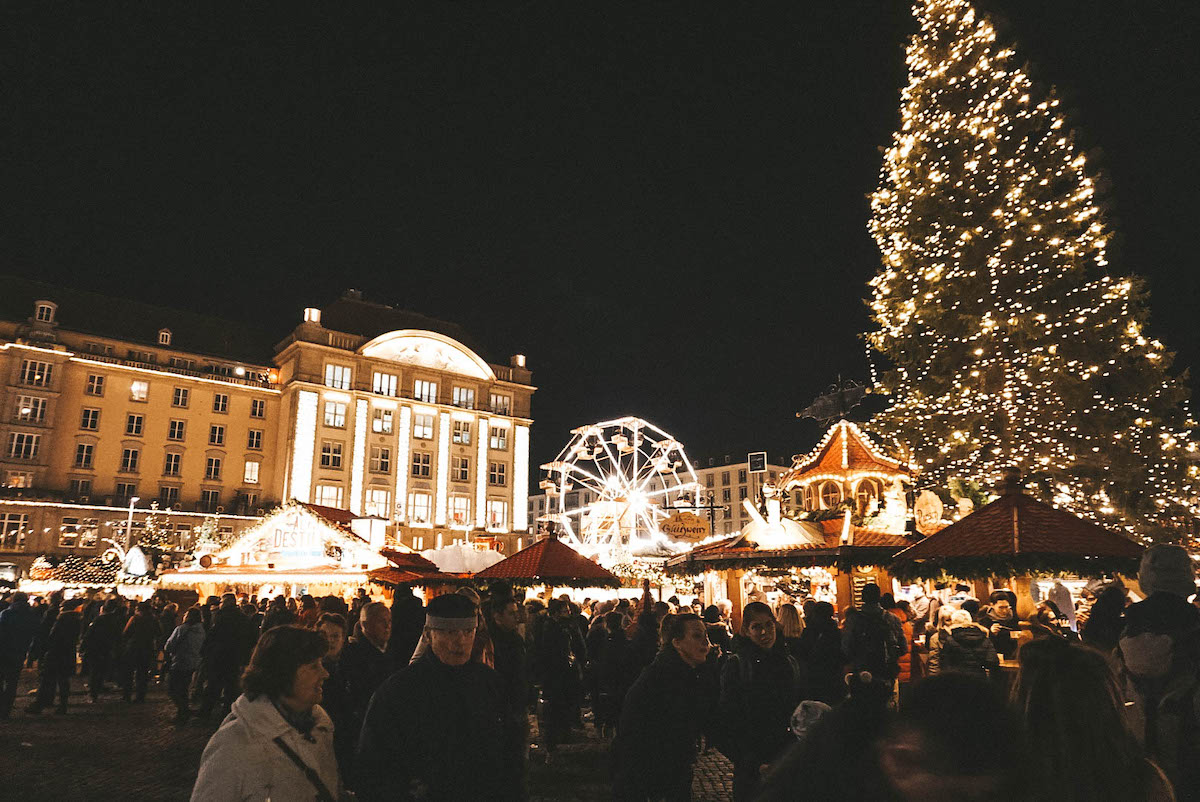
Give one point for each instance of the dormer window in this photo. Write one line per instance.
(44, 311)
(164, 336)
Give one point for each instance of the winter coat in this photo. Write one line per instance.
(905, 662)
(18, 625)
(965, 649)
(363, 668)
(874, 641)
(718, 636)
(509, 662)
(61, 642)
(278, 617)
(104, 635)
(759, 691)
(408, 621)
(1004, 641)
(665, 711)
(184, 647)
(243, 762)
(230, 640)
(823, 662)
(435, 729)
(45, 624)
(141, 636)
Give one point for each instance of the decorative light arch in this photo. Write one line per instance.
(428, 349)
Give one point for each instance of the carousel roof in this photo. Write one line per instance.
(551, 562)
(845, 450)
(1017, 534)
(861, 546)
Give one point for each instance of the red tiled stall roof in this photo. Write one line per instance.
(393, 577)
(553, 563)
(409, 561)
(1018, 533)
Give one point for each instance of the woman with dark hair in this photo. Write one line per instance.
(1105, 619)
(1046, 622)
(820, 647)
(276, 742)
(718, 633)
(760, 687)
(1097, 757)
(664, 714)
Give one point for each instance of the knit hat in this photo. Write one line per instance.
(450, 611)
(1167, 569)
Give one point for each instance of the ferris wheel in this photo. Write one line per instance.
(614, 482)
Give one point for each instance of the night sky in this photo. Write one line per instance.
(663, 204)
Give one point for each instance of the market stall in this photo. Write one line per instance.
(550, 564)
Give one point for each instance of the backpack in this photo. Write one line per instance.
(873, 646)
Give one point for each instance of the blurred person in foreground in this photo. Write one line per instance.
(277, 742)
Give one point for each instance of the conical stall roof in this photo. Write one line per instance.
(551, 562)
(1017, 534)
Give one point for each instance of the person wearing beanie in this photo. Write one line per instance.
(1158, 666)
(437, 729)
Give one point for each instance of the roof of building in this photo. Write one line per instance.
(551, 562)
(353, 315)
(844, 450)
(136, 322)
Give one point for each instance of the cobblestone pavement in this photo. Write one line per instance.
(113, 750)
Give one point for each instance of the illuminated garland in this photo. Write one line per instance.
(1010, 340)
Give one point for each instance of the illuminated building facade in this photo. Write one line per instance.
(362, 407)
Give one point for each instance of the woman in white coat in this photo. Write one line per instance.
(277, 742)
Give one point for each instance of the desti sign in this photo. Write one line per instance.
(685, 526)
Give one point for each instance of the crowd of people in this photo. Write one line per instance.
(942, 697)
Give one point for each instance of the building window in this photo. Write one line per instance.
(171, 464)
(209, 499)
(212, 469)
(461, 433)
(500, 404)
(18, 479)
(139, 390)
(337, 377)
(725, 496)
(13, 528)
(36, 374)
(381, 421)
(708, 481)
(83, 455)
(422, 464)
(831, 495)
(31, 408)
(864, 494)
(220, 402)
(423, 426)
(175, 430)
(461, 470)
(164, 336)
(497, 514)
(89, 533)
(216, 435)
(250, 474)
(425, 391)
(179, 398)
(741, 493)
(68, 533)
(89, 419)
(384, 383)
(497, 474)
(460, 510)
(254, 439)
(725, 478)
(124, 492)
(258, 408)
(498, 438)
(95, 384)
(23, 445)
(129, 460)
(741, 476)
(45, 313)
(464, 397)
(379, 503)
(168, 496)
(181, 363)
(418, 508)
(329, 496)
(381, 459)
(331, 455)
(133, 425)
(79, 489)
(335, 414)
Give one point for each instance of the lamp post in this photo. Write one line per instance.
(129, 522)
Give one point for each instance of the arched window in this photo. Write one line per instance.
(164, 336)
(866, 492)
(831, 495)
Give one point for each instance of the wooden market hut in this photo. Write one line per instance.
(1016, 536)
(552, 563)
(407, 568)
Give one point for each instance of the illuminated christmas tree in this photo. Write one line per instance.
(1010, 340)
(156, 533)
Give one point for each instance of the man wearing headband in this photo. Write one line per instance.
(436, 730)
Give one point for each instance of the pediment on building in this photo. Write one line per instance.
(428, 349)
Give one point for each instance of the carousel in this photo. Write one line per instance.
(854, 521)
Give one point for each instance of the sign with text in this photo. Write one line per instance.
(758, 461)
(685, 526)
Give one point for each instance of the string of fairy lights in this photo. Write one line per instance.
(1010, 339)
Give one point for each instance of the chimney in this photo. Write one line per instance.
(312, 315)
(517, 361)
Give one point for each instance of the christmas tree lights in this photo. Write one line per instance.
(1010, 340)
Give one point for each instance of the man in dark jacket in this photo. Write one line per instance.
(363, 667)
(226, 652)
(435, 730)
(140, 647)
(1000, 620)
(277, 614)
(18, 626)
(873, 639)
(101, 642)
(408, 620)
(558, 668)
(664, 714)
(57, 663)
(509, 661)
